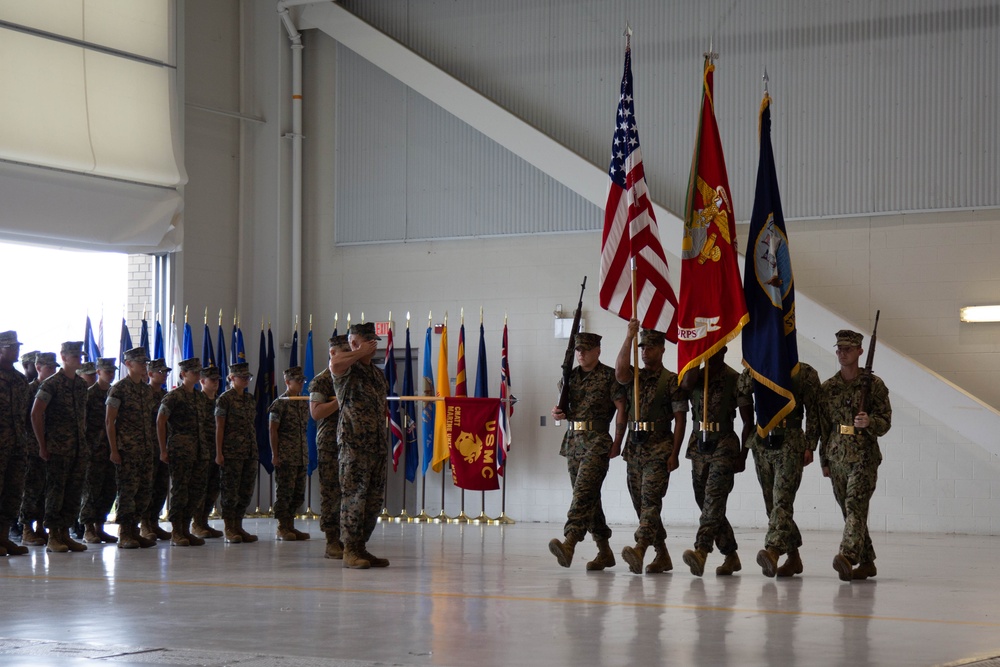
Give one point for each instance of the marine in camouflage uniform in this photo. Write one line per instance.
(287, 421)
(716, 456)
(58, 417)
(779, 458)
(325, 409)
(30, 375)
(132, 438)
(99, 488)
(32, 510)
(210, 380)
(652, 447)
(849, 451)
(157, 370)
(178, 429)
(594, 398)
(236, 451)
(13, 440)
(361, 431)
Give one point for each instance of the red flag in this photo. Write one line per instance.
(712, 308)
(471, 427)
(630, 231)
(461, 384)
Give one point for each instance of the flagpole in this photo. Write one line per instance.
(404, 516)
(424, 517)
(503, 519)
(462, 516)
(309, 514)
(635, 347)
(442, 517)
(385, 516)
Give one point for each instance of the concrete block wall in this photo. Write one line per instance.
(140, 293)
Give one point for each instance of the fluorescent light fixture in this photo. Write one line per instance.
(979, 314)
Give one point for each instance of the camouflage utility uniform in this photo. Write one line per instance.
(713, 465)
(161, 471)
(238, 472)
(328, 456)
(13, 444)
(647, 452)
(778, 457)
(135, 436)
(592, 406)
(206, 456)
(33, 496)
(853, 460)
(185, 417)
(99, 488)
(292, 418)
(361, 432)
(66, 441)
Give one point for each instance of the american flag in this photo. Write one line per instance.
(630, 230)
(503, 434)
(392, 407)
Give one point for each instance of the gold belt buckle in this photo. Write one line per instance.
(846, 430)
(643, 426)
(579, 426)
(711, 427)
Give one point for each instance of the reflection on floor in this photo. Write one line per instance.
(489, 595)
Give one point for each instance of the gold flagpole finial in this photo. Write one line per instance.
(461, 316)
(336, 318)
(185, 314)
(206, 316)
(143, 312)
(348, 321)
(480, 315)
(310, 321)
(446, 318)
(430, 319)
(220, 317)
(173, 310)
(711, 55)
(407, 319)
(505, 318)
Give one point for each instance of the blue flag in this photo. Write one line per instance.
(308, 369)
(157, 342)
(144, 336)
(223, 360)
(187, 346)
(769, 346)
(482, 382)
(293, 357)
(427, 417)
(412, 453)
(124, 346)
(207, 352)
(262, 395)
(89, 344)
(393, 406)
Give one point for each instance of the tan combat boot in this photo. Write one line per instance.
(102, 535)
(72, 544)
(861, 572)
(154, 528)
(232, 535)
(768, 561)
(285, 532)
(55, 543)
(729, 565)
(634, 555)
(844, 567)
(177, 538)
(299, 534)
(144, 542)
(90, 533)
(372, 559)
(605, 557)
(791, 566)
(563, 551)
(30, 538)
(661, 562)
(193, 540)
(334, 547)
(353, 558)
(201, 528)
(7, 546)
(126, 540)
(247, 537)
(695, 559)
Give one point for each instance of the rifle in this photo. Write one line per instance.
(567, 364)
(867, 375)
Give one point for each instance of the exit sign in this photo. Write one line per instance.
(382, 328)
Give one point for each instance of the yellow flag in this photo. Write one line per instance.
(441, 453)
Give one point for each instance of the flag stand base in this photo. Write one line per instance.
(504, 520)
(441, 518)
(403, 517)
(308, 515)
(385, 516)
(461, 518)
(423, 517)
(482, 519)
(256, 514)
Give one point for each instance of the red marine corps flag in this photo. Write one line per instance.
(712, 309)
(635, 281)
(471, 428)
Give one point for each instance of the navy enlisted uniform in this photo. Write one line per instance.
(362, 389)
(594, 399)
(13, 440)
(58, 417)
(325, 409)
(653, 447)
(849, 451)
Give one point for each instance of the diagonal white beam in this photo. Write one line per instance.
(929, 392)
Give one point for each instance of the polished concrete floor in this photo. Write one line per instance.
(490, 595)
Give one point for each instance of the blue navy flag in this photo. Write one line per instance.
(90, 347)
(392, 407)
(263, 397)
(309, 370)
(124, 346)
(157, 342)
(428, 414)
(482, 374)
(187, 346)
(412, 454)
(293, 357)
(144, 336)
(207, 351)
(770, 350)
(223, 360)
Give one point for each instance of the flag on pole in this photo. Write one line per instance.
(392, 407)
(222, 361)
(100, 330)
(187, 347)
(207, 351)
(770, 349)
(238, 351)
(712, 309)
(271, 371)
(443, 389)
(157, 342)
(503, 429)
(124, 346)
(630, 231)
(471, 432)
(262, 398)
(293, 357)
(144, 336)
(173, 356)
(461, 385)
(427, 414)
(309, 370)
(482, 389)
(412, 455)
(90, 347)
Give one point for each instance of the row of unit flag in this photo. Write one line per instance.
(715, 303)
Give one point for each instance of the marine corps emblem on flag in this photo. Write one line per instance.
(703, 229)
(471, 428)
